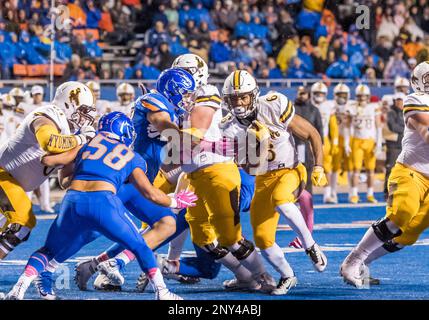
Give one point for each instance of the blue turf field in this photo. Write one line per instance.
(403, 274)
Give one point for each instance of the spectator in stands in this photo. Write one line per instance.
(77, 14)
(156, 35)
(22, 20)
(342, 69)
(320, 64)
(225, 16)
(172, 13)
(273, 70)
(12, 23)
(201, 14)
(383, 48)
(297, 70)
(78, 45)
(93, 15)
(92, 48)
(220, 52)
(165, 58)
(71, 71)
(29, 53)
(63, 51)
(148, 71)
(289, 50)
(370, 77)
(185, 14)
(243, 29)
(388, 28)
(425, 20)
(195, 48)
(88, 69)
(8, 57)
(396, 66)
(160, 15)
(106, 23)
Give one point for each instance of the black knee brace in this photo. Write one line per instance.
(10, 238)
(392, 246)
(382, 231)
(246, 248)
(216, 251)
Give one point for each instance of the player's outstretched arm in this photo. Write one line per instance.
(181, 200)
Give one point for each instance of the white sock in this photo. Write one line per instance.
(354, 191)
(296, 221)
(52, 266)
(334, 181)
(253, 262)
(175, 247)
(276, 258)
(370, 191)
(45, 193)
(234, 265)
(326, 192)
(156, 279)
(369, 243)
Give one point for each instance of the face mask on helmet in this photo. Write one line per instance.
(243, 104)
(403, 89)
(125, 98)
(341, 98)
(83, 116)
(318, 97)
(362, 98)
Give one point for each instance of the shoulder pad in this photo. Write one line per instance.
(208, 95)
(417, 101)
(154, 101)
(55, 114)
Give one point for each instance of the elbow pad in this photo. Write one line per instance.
(52, 141)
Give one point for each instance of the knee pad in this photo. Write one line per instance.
(13, 236)
(392, 246)
(216, 251)
(246, 248)
(382, 231)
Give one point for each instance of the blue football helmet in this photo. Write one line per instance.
(116, 125)
(174, 84)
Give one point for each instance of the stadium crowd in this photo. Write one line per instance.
(271, 39)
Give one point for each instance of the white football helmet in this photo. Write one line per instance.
(95, 88)
(78, 103)
(362, 93)
(8, 101)
(195, 66)
(240, 83)
(36, 89)
(420, 77)
(125, 93)
(341, 93)
(402, 85)
(18, 94)
(318, 92)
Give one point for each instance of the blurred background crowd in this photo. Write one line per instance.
(135, 39)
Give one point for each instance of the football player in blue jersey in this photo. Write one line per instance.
(91, 206)
(154, 112)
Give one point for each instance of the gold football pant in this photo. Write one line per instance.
(272, 189)
(217, 212)
(14, 202)
(408, 203)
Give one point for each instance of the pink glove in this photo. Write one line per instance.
(225, 146)
(183, 199)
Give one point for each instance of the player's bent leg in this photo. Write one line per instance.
(380, 232)
(119, 228)
(17, 215)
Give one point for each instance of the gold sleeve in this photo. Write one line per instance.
(52, 141)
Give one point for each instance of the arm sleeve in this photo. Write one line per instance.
(52, 141)
(333, 129)
(318, 124)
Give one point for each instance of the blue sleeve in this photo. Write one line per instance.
(138, 162)
(155, 102)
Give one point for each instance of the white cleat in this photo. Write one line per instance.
(317, 257)
(352, 272)
(103, 283)
(111, 270)
(17, 292)
(285, 284)
(165, 294)
(237, 285)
